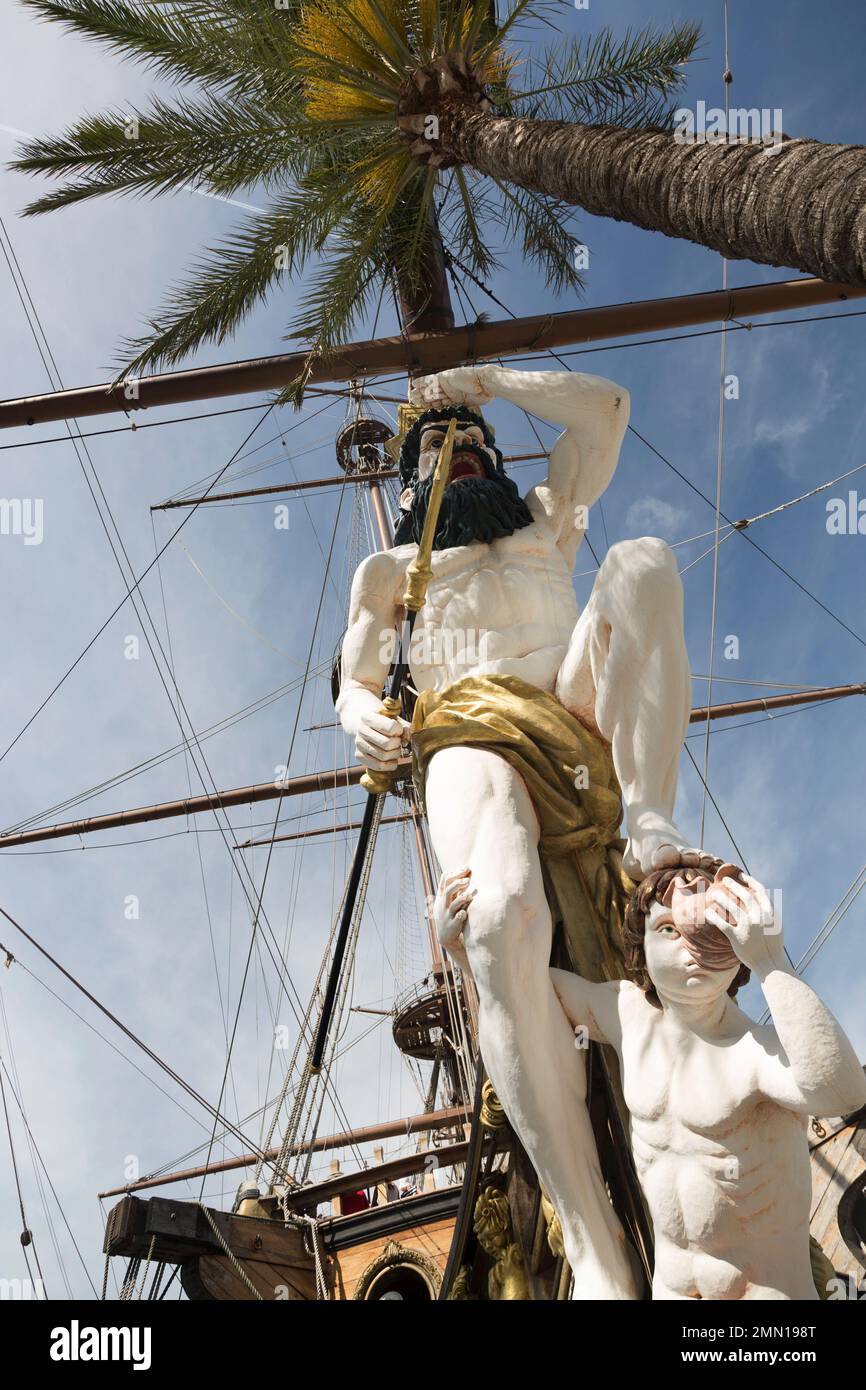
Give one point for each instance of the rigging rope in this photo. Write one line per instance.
(53, 1190)
(822, 936)
(232, 1258)
(308, 1086)
(167, 754)
(196, 827)
(175, 1076)
(26, 1233)
(723, 347)
(746, 537)
(134, 594)
(286, 763)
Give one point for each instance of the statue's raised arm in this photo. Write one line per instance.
(594, 413)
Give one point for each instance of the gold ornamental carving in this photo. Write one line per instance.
(492, 1225)
(492, 1114)
(393, 1255)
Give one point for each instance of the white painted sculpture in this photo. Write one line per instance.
(501, 605)
(719, 1105)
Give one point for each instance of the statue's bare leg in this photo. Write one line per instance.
(627, 671)
(481, 817)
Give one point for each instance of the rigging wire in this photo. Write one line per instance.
(121, 603)
(723, 347)
(50, 1183)
(193, 509)
(305, 1088)
(153, 1082)
(741, 859)
(342, 1017)
(746, 537)
(846, 901)
(262, 465)
(822, 936)
(173, 1164)
(715, 586)
(745, 680)
(238, 866)
(287, 761)
(50, 365)
(196, 826)
(259, 636)
(26, 1234)
(167, 754)
(17, 1090)
(154, 1056)
(298, 858)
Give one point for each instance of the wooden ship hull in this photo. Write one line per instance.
(402, 1248)
(837, 1150)
(233, 1258)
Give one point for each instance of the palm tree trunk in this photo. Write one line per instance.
(427, 308)
(799, 204)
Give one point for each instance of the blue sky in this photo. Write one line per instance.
(789, 789)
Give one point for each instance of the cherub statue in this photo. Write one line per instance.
(719, 1105)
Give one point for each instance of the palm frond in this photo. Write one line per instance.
(341, 290)
(525, 12)
(607, 80)
(542, 228)
(193, 42)
(465, 233)
(216, 143)
(237, 275)
(300, 101)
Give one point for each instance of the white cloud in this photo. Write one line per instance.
(653, 516)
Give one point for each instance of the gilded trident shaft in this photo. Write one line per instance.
(418, 578)
(377, 784)
(419, 574)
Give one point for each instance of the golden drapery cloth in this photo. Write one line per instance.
(580, 848)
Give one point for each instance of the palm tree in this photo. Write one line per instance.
(395, 143)
(301, 102)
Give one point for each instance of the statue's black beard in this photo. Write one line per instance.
(473, 509)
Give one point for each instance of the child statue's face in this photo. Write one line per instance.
(687, 959)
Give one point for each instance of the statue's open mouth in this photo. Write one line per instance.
(465, 465)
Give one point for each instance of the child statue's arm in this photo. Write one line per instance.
(808, 1064)
(593, 1006)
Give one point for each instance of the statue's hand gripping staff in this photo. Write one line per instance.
(418, 578)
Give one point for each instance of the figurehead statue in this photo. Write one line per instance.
(533, 723)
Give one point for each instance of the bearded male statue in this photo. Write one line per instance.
(532, 718)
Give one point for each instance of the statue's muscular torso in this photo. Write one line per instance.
(505, 608)
(724, 1169)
